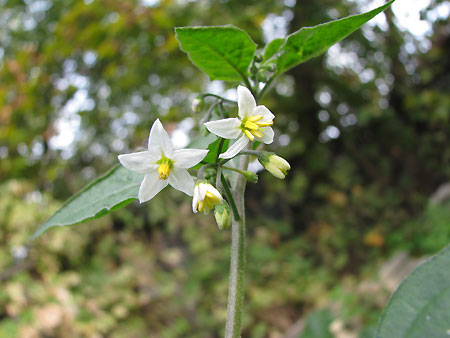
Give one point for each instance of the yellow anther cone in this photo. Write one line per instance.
(163, 171)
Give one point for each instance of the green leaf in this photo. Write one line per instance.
(272, 48)
(114, 190)
(317, 325)
(214, 150)
(222, 52)
(420, 307)
(313, 41)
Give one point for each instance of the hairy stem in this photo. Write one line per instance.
(237, 264)
(230, 198)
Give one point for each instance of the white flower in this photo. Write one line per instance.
(205, 197)
(253, 123)
(162, 165)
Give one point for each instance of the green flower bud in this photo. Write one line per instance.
(261, 76)
(210, 174)
(197, 104)
(258, 58)
(271, 68)
(274, 164)
(250, 176)
(223, 215)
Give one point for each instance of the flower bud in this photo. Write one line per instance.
(261, 76)
(274, 164)
(271, 68)
(197, 104)
(205, 197)
(250, 176)
(258, 58)
(223, 215)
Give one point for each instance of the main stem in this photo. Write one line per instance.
(237, 264)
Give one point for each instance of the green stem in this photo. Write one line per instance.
(224, 100)
(252, 152)
(218, 178)
(233, 169)
(230, 197)
(266, 86)
(219, 148)
(208, 113)
(237, 264)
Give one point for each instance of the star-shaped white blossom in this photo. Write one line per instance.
(162, 165)
(254, 123)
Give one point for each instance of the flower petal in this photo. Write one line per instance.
(215, 192)
(141, 162)
(267, 137)
(265, 112)
(226, 128)
(187, 158)
(195, 198)
(150, 186)
(246, 102)
(181, 180)
(159, 138)
(236, 147)
(203, 188)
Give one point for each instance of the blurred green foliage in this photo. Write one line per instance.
(368, 141)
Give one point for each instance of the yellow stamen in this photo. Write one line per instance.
(257, 133)
(209, 204)
(163, 171)
(201, 206)
(212, 197)
(264, 123)
(206, 197)
(251, 125)
(249, 135)
(255, 118)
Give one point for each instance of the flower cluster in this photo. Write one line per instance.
(162, 165)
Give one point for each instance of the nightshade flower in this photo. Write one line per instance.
(162, 165)
(205, 197)
(254, 123)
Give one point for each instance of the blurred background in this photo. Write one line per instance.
(366, 129)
